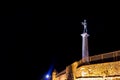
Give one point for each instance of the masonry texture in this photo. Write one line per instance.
(98, 68)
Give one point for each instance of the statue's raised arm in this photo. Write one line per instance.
(85, 26)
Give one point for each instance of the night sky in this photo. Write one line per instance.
(15, 43)
(27, 54)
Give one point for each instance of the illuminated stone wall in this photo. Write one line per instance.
(54, 75)
(101, 69)
(106, 78)
(74, 68)
(98, 71)
(61, 77)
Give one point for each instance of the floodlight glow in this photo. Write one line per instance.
(47, 76)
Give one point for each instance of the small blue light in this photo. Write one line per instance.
(47, 76)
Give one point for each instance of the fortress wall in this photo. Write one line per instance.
(61, 77)
(98, 70)
(93, 71)
(74, 67)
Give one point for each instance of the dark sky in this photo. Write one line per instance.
(15, 43)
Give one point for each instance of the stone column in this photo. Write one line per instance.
(85, 53)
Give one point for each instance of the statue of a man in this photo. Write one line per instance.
(85, 26)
